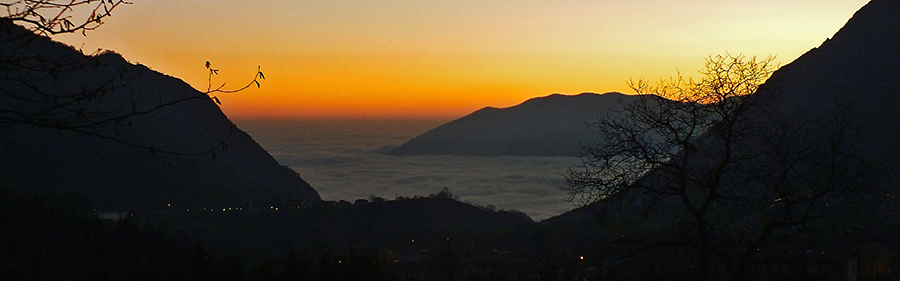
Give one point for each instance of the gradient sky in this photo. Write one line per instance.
(446, 58)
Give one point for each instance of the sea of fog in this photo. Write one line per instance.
(345, 160)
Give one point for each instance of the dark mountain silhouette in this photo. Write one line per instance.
(854, 75)
(554, 125)
(816, 171)
(856, 71)
(185, 155)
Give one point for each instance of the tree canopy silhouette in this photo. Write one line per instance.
(704, 170)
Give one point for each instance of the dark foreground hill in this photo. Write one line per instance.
(123, 136)
(407, 225)
(817, 189)
(554, 125)
(853, 75)
(857, 73)
(426, 238)
(650, 239)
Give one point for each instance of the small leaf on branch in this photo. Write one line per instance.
(257, 83)
(207, 64)
(217, 100)
(261, 76)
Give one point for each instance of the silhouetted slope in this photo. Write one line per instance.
(858, 72)
(854, 75)
(332, 227)
(554, 125)
(230, 169)
(59, 237)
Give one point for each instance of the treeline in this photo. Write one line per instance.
(61, 237)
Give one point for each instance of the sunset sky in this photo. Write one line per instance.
(446, 58)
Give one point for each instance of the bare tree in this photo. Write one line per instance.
(49, 17)
(665, 122)
(707, 168)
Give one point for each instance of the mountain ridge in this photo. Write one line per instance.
(553, 125)
(852, 75)
(124, 136)
(856, 71)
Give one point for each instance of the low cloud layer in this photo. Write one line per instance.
(344, 164)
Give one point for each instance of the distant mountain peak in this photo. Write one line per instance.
(553, 125)
(558, 96)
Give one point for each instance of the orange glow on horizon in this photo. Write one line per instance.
(445, 59)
